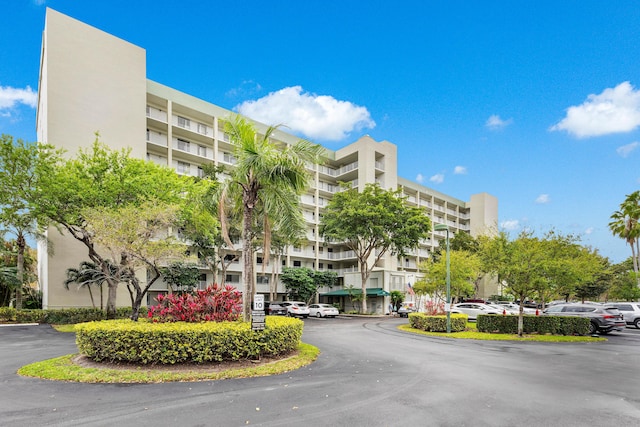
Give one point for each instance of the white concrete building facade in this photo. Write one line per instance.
(91, 81)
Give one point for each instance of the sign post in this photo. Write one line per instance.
(257, 314)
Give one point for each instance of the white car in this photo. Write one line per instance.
(323, 310)
(296, 308)
(504, 309)
(472, 309)
(516, 307)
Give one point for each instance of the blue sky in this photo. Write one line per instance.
(537, 103)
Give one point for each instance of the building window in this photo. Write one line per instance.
(297, 263)
(183, 167)
(183, 145)
(232, 278)
(262, 280)
(202, 129)
(202, 151)
(321, 265)
(330, 266)
(259, 260)
(184, 122)
(200, 172)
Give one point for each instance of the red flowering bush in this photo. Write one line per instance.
(216, 304)
(433, 308)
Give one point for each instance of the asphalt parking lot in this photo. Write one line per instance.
(368, 374)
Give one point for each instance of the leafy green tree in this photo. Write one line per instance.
(372, 223)
(138, 237)
(268, 177)
(22, 165)
(397, 298)
(465, 268)
(625, 223)
(99, 178)
(325, 278)
(464, 242)
(183, 275)
(299, 283)
(519, 263)
(624, 282)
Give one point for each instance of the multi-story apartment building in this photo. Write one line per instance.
(91, 81)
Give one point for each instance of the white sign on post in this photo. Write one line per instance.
(258, 302)
(447, 307)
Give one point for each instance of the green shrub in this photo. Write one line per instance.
(437, 323)
(180, 342)
(7, 314)
(31, 316)
(555, 325)
(62, 316)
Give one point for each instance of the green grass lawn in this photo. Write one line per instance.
(472, 333)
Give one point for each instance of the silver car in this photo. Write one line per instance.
(630, 311)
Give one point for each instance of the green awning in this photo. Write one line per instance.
(371, 292)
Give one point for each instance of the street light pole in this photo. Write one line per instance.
(442, 227)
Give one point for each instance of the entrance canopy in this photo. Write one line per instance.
(371, 292)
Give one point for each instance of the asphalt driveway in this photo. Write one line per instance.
(368, 374)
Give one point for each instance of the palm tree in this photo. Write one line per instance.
(269, 177)
(89, 274)
(626, 225)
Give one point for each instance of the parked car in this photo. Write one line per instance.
(629, 310)
(406, 308)
(503, 309)
(296, 308)
(323, 310)
(472, 309)
(603, 319)
(516, 307)
(275, 309)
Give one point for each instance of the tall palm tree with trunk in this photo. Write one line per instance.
(625, 223)
(266, 184)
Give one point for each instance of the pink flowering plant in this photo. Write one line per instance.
(433, 308)
(215, 304)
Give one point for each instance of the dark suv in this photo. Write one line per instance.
(603, 319)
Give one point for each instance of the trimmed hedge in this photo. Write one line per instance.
(555, 325)
(63, 316)
(437, 323)
(142, 342)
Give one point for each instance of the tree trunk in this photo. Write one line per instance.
(22, 244)
(247, 261)
(364, 276)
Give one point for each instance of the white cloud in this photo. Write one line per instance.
(510, 225)
(588, 231)
(626, 150)
(543, 199)
(420, 178)
(247, 88)
(460, 170)
(437, 178)
(494, 122)
(615, 110)
(10, 97)
(315, 116)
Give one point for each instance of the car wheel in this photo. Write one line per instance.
(288, 314)
(593, 328)
(304, 316)
(637, 323)
(318, 315)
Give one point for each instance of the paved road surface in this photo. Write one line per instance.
(369, 374)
